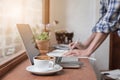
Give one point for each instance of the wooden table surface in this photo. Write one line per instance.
(86, 72)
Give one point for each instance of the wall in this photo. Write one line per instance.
(74, 16)
(102, 53)
(80, 16)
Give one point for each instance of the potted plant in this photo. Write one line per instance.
(43, 42)
(41, 36)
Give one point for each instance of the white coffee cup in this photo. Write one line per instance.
(44, 63)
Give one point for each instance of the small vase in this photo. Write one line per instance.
(43, 46)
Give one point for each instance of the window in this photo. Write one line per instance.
(14, 12)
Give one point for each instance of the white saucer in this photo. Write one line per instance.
(51, 71)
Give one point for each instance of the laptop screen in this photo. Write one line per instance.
(28, 41)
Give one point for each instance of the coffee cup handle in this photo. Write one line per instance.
(51, 63)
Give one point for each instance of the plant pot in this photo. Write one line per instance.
(43, 46)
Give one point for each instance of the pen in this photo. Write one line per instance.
(81, 57)
(74, 45)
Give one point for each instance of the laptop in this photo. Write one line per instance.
(27, 37)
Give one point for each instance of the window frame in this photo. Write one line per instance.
(16, 59)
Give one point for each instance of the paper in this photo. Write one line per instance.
(57, 53)
(115, 74)
(62, 46)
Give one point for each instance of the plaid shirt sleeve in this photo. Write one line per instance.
(110, 17)
(102, 9)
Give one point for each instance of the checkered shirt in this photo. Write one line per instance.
(110, 17)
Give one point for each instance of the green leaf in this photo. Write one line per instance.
(42, 36)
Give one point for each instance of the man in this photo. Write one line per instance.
(109, 22)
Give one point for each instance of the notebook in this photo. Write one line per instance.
(64, 61)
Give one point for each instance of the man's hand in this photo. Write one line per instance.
(77, 53)
(77, 45)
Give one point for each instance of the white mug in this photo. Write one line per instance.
(43, 64)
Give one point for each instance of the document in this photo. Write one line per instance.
(114, 74)
(57, 53)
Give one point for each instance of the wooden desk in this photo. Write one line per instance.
(86, 72)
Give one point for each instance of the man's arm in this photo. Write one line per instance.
(84, 45)
(89, 40)
(96, 42)
(105, 25)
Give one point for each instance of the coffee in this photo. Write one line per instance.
(45, 57)
(44, 63)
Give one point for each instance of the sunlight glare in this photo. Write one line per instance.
(14, 12)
